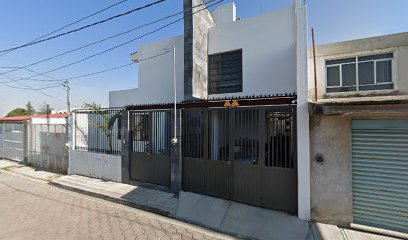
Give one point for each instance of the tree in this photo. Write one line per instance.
(108, 121)
(17, 112)
(30, 109)
(45, 109)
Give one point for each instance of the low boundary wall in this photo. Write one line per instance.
(96, 165)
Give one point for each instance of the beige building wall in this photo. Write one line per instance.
(395, 43)
(331, 191)
(330, 125)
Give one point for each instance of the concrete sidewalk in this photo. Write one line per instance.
(229, 217)
(19, 168)
(236, 219)
(328, 232)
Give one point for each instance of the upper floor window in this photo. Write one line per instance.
(366, 73)
(225, 72)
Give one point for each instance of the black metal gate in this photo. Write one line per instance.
(150, 146)
(246, 154)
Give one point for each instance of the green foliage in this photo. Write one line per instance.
(108, 120)
(17, 112)
(30, 109)
(45, 109)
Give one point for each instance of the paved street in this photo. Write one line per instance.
(35, 210)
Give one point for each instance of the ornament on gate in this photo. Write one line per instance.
(235, 103)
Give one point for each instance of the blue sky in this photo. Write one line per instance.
(22, 21)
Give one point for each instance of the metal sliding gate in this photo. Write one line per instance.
(150, 146)
(14, 141)
(246, 154)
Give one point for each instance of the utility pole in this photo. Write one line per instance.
(48, 135)
(67, 119)
(66, 85)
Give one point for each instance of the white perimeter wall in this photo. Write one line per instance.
(50, 121)
(155, 76)
(96, 165)
(268, 44)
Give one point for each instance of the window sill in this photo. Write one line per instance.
(369, 93)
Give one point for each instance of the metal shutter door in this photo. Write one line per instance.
(380, 173)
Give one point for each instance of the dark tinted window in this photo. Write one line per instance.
(384, 72)
(375, 57)
(348, 72)
(366, 73)
(333, 76)
(225, 72)
(340, 61)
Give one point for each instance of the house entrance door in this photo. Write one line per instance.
(150, 147)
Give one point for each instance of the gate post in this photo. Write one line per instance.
(176, 155)
(125, 140)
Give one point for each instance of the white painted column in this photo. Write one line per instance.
(303, 148)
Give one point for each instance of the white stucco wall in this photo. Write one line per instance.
(268, 51)
(155, 75)
(395, 43)
(268, 43)
(49, 121)
(225, 14)
(302, 118)
(96, 165)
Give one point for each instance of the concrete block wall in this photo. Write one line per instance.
(197, 22)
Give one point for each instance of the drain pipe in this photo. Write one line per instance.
(174, 139)
(314, 65)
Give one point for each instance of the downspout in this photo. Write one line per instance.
(314, 65)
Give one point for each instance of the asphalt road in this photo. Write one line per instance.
(34, 210)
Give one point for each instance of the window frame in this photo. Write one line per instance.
(241, 72)
(356, 62)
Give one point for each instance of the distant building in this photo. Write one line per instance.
(39, 140)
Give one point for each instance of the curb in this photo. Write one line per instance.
(145, 208)
(113, 199)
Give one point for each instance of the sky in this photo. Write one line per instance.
(22, 21)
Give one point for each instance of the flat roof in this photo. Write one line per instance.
(24, 118)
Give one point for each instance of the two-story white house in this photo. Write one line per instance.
(261, 63)
(359, 132)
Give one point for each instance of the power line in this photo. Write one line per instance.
(118, 67)
(83, 27)
(120, 45)
(30, 88)
(105, 39)
(70, 24)
(102, 71)
(76, 77)
(18, 79)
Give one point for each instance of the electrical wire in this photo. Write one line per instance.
(122, 44)
(99, 72)
(105, 39)
(70, 24)
(118, 67)
(31, 88)
(83, 27)
(76, 77)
